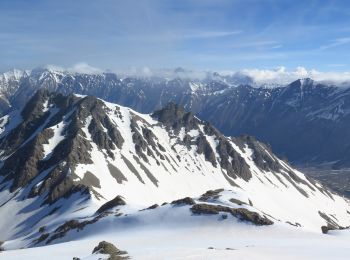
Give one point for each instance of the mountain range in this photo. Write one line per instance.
(305, 121)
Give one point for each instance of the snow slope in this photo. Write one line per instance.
(228, 241)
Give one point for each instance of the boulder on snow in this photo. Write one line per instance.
(107, 248)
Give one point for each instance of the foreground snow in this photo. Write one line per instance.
(203, 242)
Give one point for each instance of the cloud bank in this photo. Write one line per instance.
(281, 75)
(81, 67)
(278, 76)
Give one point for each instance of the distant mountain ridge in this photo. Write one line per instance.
(305, 121)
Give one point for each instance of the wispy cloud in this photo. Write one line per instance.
(336, 43)
(209, 34)
(336, 65)
(256, 44)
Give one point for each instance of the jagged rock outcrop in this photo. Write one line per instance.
(240, 213)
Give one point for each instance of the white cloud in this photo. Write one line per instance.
(84, 68)
(165, 73)
(278, 76)
(281, 75)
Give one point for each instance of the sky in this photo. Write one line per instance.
(197, 34)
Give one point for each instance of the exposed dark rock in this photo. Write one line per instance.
(24, 163)
(175, 117)
(211, 195)
(238, 202)
(331, 224)
(107, 248)
(210, 130)
(184, 201)
(117, 201)
(154, 206)
(296, 224)
(237, 166)
(62, 230)
(327, 228)
(140, 143)
(64, 189)
(42, 238)
(203, 147)
(262, 154)
(187, 141)
(42, 229)
(241, 213)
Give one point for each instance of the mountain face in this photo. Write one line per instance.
(71, 163)
(305, 121)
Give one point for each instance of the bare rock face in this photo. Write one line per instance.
(205, 148)
(117, 201)
(174, 117)
(240, 213)
(24, 145)
(235, 166)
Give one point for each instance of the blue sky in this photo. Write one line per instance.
(199, 34)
